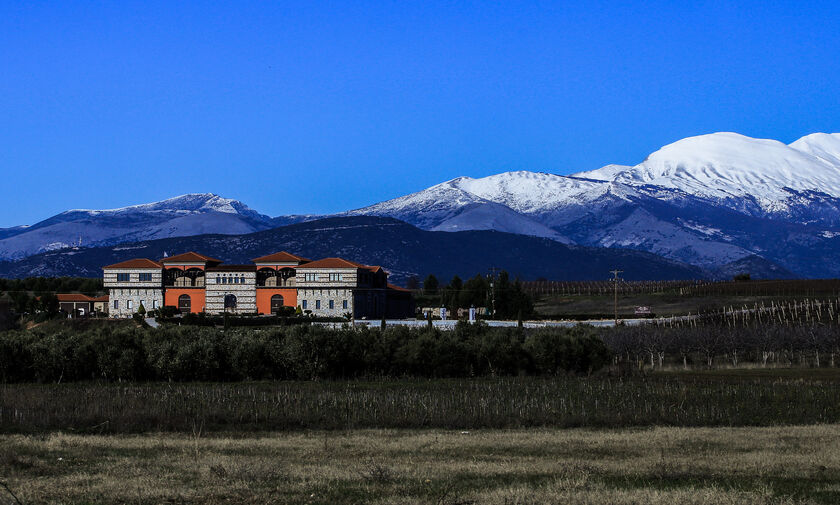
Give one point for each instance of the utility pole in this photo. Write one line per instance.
(615, 298)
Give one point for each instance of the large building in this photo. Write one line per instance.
(192, 282)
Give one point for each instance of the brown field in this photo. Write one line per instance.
(662, 465)
(661, 304)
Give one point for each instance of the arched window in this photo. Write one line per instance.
(276, 303)
(230, 302)
(184, 303)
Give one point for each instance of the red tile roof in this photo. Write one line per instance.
(339, 263)
(280, 257)
(136, 263)
(332, 263)
(190, 257)
(73, 297)
(397, 288)
(103, 298)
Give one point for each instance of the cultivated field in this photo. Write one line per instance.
(652, 466)
(671, 298)
(724, 398)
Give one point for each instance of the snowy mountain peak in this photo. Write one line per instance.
(825, 146)
(726, 166)
(185, 215)
(191, 202)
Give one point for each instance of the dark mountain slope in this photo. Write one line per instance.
(401, 248)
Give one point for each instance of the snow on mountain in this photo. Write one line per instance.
(682, 202)
(730, 167)
(493, 216)
(189, 203)
(426, 209)
(530, 192)
(710, 200)
(606, 173)
(642, 231)
(825, 146)
(184, 215)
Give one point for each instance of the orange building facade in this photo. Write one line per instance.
(195, 283)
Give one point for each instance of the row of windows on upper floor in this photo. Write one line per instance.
(129, 304)
(311, 277)
(330, 303)
(126, 277)
(223, 279)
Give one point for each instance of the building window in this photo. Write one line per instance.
(230, 302)
(224, 280)
(218, 279)
(154, 304)
(310, 277)
(242, 280)
(145, 277)
(317, 304)
(303, 304)
(116, 304)
(335, 277)
(344, 304)
(128, 304)
(123, 277)
(332, 304)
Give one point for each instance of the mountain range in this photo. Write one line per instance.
(713, 204)
(403, 249)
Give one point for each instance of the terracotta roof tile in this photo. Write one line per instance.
(397, 288)
(280, 257)
(332, 263)
(103, 298)
(136, 263)
(190, 257)
(73, 297)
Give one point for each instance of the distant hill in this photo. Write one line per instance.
(184, 215)
(401, 248)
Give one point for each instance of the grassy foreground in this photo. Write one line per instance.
(654, 465)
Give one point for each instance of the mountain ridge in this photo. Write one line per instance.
(708, 200)
(401, 248)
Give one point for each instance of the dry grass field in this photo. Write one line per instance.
(662, 465)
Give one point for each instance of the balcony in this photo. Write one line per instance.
(269, 278)
(192, 278)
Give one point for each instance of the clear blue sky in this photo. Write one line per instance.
(320, 107)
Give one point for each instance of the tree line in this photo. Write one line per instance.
(505, 297)
(123, 351)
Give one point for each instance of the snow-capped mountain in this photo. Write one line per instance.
(720, 202)
(709, 200)
(191, 214)
(751, 175)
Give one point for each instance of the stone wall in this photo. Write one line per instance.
(245, 293)
(149, 297)
(110, 278)
(322, 296)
